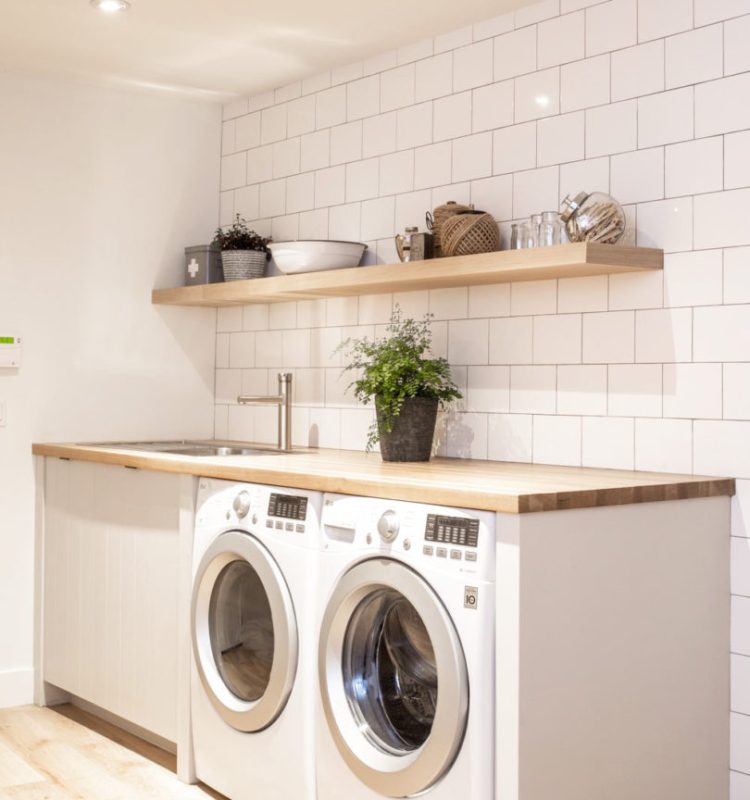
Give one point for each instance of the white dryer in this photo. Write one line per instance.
(405, 651)
(253, 672)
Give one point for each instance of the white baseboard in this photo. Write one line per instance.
(16, 687)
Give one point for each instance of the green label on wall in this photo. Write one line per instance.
(7, 339)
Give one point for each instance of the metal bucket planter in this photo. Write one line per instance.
(413, 431)
(239, 265)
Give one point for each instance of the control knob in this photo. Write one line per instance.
(242, 504)
(388, 526)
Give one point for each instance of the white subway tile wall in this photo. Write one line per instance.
(646, 100)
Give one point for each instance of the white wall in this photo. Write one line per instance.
(100, 191)
(648, 100)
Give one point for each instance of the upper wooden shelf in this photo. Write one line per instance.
(562, 261)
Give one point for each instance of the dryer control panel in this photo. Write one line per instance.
(452, 530)
(446, 530)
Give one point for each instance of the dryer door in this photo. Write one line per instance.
(393, 678)
(244, 632)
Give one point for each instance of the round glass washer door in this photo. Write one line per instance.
(245, 639)
(393, 678)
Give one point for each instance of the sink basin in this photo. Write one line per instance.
(187, 447)
(212, 450)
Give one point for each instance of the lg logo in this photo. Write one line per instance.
(471, 597)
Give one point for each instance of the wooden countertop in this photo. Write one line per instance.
(489, 485)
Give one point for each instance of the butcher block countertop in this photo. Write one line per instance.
(488, 485)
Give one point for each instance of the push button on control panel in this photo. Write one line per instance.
(456, 555)
(442, 552)
(471, 555)
(428, 549)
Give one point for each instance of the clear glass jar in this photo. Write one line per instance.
(594, 217)
(535, 223)
(550, 231)
(514, 240)
(524, 236)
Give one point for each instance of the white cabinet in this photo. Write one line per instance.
(111, 555)
(612, 660)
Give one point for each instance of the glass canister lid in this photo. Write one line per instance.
(570, 206)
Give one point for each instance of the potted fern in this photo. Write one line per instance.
(406, 385)
(243, 252)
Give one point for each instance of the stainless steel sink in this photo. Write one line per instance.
(186, 447)
(206, 451)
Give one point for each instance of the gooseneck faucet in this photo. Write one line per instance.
(284, 402)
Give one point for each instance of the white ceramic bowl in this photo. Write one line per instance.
(316, 255)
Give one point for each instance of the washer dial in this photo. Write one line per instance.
(388, 526)
(242, 504)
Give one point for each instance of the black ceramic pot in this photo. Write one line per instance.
(413, 431)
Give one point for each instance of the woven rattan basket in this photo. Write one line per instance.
(437, 219)
(466, 234)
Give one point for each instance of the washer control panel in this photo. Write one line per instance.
(287, 512)
(287, 515)
(287, 506)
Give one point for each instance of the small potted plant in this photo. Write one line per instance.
(243, 252)
(407, 386)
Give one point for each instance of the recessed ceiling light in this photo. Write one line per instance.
(111, 6)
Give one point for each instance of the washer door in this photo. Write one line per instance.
(244, 632)
(393, 678)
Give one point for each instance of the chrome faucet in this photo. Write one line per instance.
(284, 401)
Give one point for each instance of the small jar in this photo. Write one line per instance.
(535, 223)
(524, 236)
(550, 231)
(514, 240)
(403, 243)
(594, 217)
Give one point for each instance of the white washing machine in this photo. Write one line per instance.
(253, 683)
(405, 651)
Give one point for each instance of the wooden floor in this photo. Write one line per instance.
(67, 754)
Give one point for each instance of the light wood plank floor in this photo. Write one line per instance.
(67, 754)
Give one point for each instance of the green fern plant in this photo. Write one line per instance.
(396, 368)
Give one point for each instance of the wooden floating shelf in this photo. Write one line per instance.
(540, 263)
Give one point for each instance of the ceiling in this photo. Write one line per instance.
(218, 49)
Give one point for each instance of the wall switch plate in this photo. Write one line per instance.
(10, 351)
(3, 416)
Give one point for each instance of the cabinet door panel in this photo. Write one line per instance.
(110, 589)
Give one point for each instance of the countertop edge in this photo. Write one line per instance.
(655, 487)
